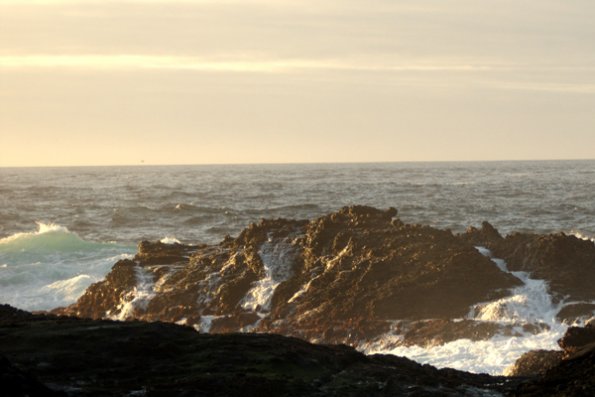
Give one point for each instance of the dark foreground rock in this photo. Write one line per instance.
(18, 383)
(45, 355)
(82, 357)
(342, 278)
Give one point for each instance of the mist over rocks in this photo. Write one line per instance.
(345, 277)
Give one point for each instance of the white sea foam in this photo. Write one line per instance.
(42, 228)
(70, 289)
(206, 321)
(170, 240)
(277, 259)
(491, 356)
(52, 266)
(583, 236)
(136, 299)
(528, 305)
(48, 237)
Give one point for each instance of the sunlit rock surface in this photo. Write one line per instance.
(341, 278)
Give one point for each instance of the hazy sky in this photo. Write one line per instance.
(250, 81)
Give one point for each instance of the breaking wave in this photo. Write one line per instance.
(52, 266)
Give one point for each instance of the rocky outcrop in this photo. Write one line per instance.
(565, 261)
(82, 357)
(574, 375)
(341, 278)
(576, 342)
(535, 362)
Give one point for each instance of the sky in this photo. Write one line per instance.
(105, 82)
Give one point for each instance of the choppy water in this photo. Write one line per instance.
(203, 203)
(62, 228)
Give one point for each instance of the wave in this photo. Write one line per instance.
(52, 266)
(48, 237)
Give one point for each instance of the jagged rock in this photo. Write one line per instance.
(572, 377)
(341, 278)
(105, 358)
(486, 236)
(99, 299)
(154, 253)
(576, 311)
(566, 262)
(535, 362)
(577, 340)
(438, 332)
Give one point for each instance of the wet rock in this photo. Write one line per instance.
(535, 362)
(576, 312)
(572, 377)
(154, 253)
(340, 278)
(577, 340)
(486, 236)
(566, 262)
(102, 298)
(439, 332)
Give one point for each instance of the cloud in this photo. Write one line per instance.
(127, 62)
(196, 2)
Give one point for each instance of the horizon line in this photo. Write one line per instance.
(142, 164)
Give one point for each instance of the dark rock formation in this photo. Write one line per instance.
(573, 311)
(83, 357)
(566, 262)
(44, 355)
(341, 278)
(576, 342)
(574, 376)
(535, 362)
(17, 383)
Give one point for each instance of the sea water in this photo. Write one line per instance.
(62, 229)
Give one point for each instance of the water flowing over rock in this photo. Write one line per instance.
(566, 262)
(341, 278)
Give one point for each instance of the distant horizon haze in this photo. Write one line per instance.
(313, 163)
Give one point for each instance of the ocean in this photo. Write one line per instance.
(62, 229)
